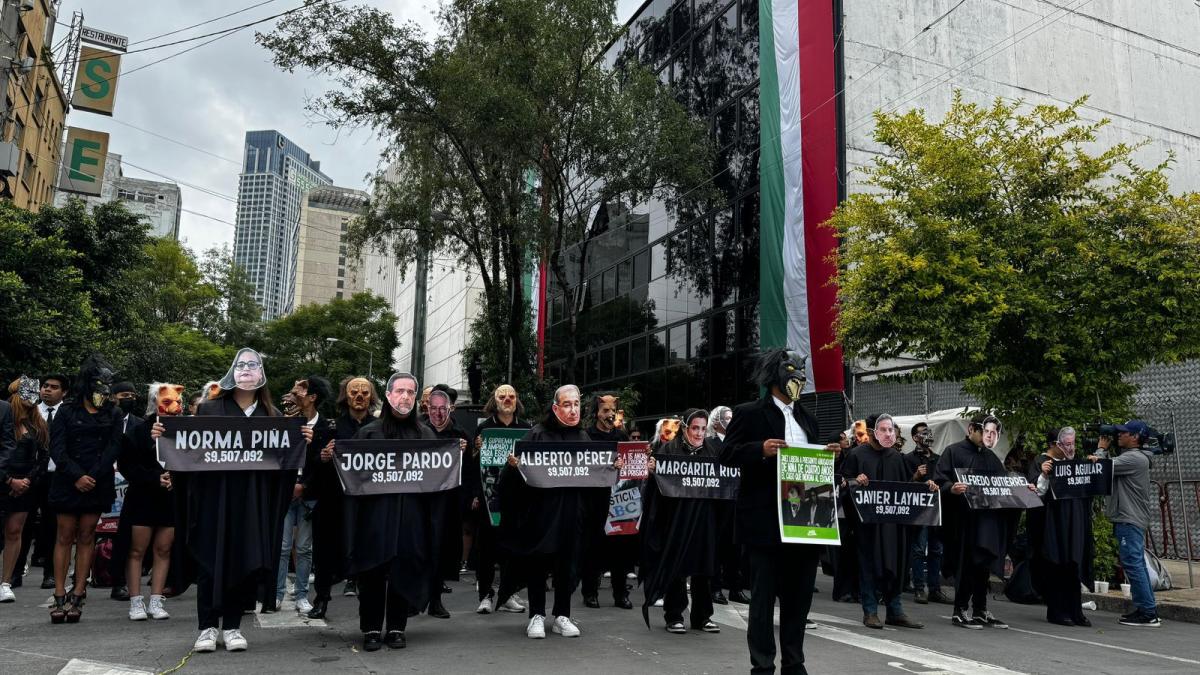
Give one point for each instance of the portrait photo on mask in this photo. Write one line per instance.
(246, 372)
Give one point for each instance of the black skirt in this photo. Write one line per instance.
(25, 503)
(64, 498)
(148, 506)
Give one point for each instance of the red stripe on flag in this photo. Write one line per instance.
(819, 173)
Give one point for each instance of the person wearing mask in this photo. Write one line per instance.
(881, 546)
(446, 505)
(392, 540)
(54, 388)
(664, 432)
(681, 537)
(729, 555)
(505, 411)
(149, 510)
(355, 402)
(303, 400)
(1060, 536)
(126, 400)
(24, 451)
(927, 547)
(85, 440)
(541, 526)
(600, 552)
(778, 571)
(1128, 507)
(228, 521)
(976, 539)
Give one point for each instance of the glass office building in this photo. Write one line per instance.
(276, 174)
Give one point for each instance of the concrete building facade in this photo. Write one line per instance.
(324, 270)
(276, 174)
(160, 203)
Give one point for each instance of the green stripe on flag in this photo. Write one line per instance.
(772, 310)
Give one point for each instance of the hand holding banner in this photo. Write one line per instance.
(801, 470)
(209, 443)
(553, 464)
(395, 466)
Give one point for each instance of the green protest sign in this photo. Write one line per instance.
(807, 496)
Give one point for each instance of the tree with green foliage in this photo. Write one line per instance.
(509, 100)
(297, 345)
(235, 319)
(1001, 246)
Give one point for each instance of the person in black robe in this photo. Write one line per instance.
(1060, 536)
(926, 547)
(505, 411)
(844, 558)
(541, 527)
(882, 547)
(976, 540)
(356, 399)
(447, 506)
(680, 538)
(786, 572)
(392, 540)
(230, 523)
(601, 552)
(85, 440)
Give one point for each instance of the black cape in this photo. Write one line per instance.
(449, 508)
(321, 481)
(885, 544)
(1060, 533)
(536, 521)
(399, 531)
(982, 535)
(679, 536)
(231, 522)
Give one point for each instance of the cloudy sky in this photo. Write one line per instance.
(209, 97)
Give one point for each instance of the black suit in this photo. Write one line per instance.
(777, 570)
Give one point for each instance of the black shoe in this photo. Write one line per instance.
(719, 598)
(318, 610)
(623, 602)
(591, 601)
(739, 597)
(350, 589)
(1060, 620)
(395, 639)
(989, 619)
(47, 582)
(269, 607)
(447, 589)
(437, 610)
(961, 620)
(372, 641)
(1141, 620)
(1082, 621)
(120, 593)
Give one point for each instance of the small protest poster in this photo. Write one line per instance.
(806, 472)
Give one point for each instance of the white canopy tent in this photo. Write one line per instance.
(948, 427)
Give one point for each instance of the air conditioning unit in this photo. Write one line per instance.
(25, 65)
(10, 159)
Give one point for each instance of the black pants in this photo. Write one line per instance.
(971, 586)
(538, 567)
(487, 556)
(731, 561)
(593, 558)
(676, 599)
(786, 572)
(614, 555)
(378, 600)
(1060, 589)
(328, 554)
(229, 614)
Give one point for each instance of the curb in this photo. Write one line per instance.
(1117, 604)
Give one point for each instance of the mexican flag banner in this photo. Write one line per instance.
(799, 184)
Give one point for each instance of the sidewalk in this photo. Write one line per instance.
(1178, 604)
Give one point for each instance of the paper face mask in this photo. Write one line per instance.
(246, 372)
(28, 389)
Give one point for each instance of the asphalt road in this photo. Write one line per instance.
(613, 641)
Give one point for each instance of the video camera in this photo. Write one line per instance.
(1156, 442)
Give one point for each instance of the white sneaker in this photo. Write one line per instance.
(6, 594)
(485, 606)
(608, 575)
(234, 641)
(291, 589)
(303, 606)
(207, 642)
(536, 628)
(658, 602)
(513, 605)
(137, 608)
(156, 609)
(565, 627)
(631, 575)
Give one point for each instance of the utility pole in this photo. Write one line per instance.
(420, 307)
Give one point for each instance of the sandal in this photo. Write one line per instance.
(74, 608)
(57, 613)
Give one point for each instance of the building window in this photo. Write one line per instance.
(341, 283)
(18, 134)
(27, 172)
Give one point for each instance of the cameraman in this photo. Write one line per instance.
(1129, 510)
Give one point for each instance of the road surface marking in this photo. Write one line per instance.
(1130, 650)
(82, 667)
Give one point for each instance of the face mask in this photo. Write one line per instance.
(791, 378)
(127, 405)
(246, 372)
(28, 389)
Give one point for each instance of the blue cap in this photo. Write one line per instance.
(1135, 427)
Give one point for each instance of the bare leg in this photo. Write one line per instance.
(63, 540)
(85, 550)
(13, 526)
(139, 541)
(164, 537)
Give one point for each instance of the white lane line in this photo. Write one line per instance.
(1130, 650)
(82, 667)
(44, 656)
(943, 663)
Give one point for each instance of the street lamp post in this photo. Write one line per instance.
(370, 355)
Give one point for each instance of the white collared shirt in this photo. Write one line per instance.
(793, 433)
(249, 410)
(45, 410)
(313, 421)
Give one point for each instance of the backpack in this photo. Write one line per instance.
(1160, 578)
(102, 563)
(1019, 587)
